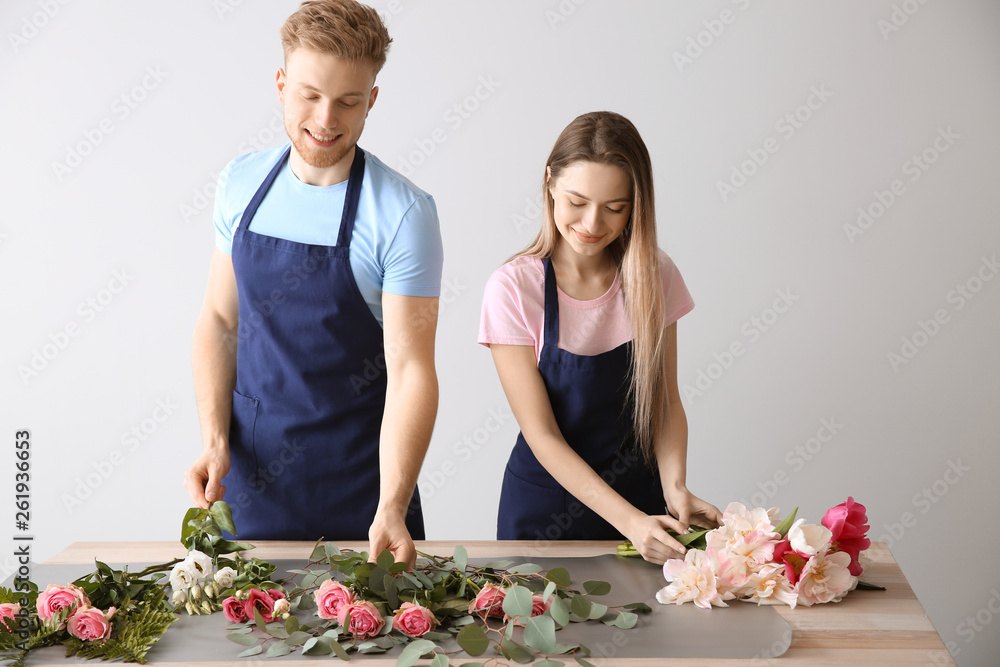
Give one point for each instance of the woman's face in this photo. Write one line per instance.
(592, 203)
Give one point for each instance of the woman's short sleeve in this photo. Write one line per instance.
(509, 314)
(677, 299)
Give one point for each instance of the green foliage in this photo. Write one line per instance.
(133, 632)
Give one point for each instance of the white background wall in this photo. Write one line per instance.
(136, 203)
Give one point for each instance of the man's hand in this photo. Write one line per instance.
(388, 531)
(203, 479)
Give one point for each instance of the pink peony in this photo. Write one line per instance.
(414, 620)
(90, 624)
(769, 586)
(234, 610)
(693, 579)
(56, 599)
(366, 621)
(489, 602)
(330, 597)
(260, 600)
(8, 615)
(825, 578)
(848, 522)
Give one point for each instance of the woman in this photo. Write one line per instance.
(590, 367)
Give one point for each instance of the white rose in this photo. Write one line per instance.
(183, 576)
(225, 577)
(202, 563)
(280, 607)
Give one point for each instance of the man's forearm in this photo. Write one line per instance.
(213, 358)
(410, 409)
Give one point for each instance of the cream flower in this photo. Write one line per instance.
(769, 586)
(201, 564)
(183, 576)
(825, 578)
(738, 523)
(808, 539)
(225, 577)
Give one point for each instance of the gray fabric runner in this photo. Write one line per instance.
(742, 630)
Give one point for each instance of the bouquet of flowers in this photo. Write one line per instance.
(341, 602)
(754, 557)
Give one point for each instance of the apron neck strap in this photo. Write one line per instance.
(551, 305)
(352, 197)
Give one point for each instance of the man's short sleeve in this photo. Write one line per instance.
(222, 217)
(413, 261)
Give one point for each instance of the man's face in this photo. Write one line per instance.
(326, 101)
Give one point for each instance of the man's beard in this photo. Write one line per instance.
(320, 158)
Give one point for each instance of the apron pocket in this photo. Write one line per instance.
(241, 427)
(531, 512)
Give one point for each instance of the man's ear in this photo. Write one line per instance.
(279, 80)
(372, 96)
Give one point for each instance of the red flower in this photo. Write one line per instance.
(848, 523)
(793, 562)
(263, 602)
(234, 610)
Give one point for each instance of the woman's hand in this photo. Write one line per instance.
(689, 508)
(649, 536)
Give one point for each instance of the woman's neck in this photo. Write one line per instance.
(580, 276)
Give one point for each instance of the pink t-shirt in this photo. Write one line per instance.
(514, 309)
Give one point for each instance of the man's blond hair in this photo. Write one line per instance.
(343, 28)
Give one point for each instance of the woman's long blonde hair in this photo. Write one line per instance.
(608, 138)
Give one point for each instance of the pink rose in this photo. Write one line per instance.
(276, 593)
(234, 610)
(330, 597)
(258, 599)
(8, 615)
(365, 619)
(538, 606)
(849, 524)
(489, 602)
(90, 624)
(55, 599)
(414, 620)
(537, 609)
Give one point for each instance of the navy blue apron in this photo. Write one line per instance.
(307, 411)
(589, 396)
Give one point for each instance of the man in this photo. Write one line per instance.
(313, 354)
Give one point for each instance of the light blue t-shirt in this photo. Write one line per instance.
(396, 244)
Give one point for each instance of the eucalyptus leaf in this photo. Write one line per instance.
(559, 575)
(585, 663)
(516, 652)
(241, 639)
(291, 624)
(525, 568)
(253, 650)
(339, 651)
(626, 620)
(594, 587)
(316, 646)
(473, 640)
(385, 560)
(639, 607)
(550, 588)
(461, 557)
(597, 610)
(540, 633)
(558, 611)
(413, 651)
(581, 606)
(440, 660)
(517, 601)
(278, 649)
(298, 637)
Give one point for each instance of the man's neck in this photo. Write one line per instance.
(321, 176)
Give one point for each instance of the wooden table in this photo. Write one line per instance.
(867, 628)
